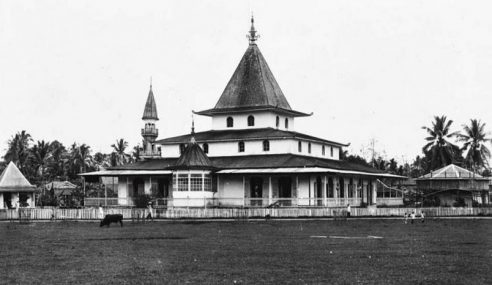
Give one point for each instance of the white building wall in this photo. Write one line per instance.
(122, 188)
(262, 120)
(231, 190)
(256, 148)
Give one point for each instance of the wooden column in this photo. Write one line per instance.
(270, 191)
(244, 191)
(324, 181)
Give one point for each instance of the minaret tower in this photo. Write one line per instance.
(149, 132)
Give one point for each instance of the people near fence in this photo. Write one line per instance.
(101, 212)
(412, 216)
(348, 210)
(405, 217)
(149, 207)
(422, 217)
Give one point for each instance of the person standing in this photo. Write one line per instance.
(422, 217)
(412, 216)
(348, 210)
(101, 212)
(149, 207)
(406, 217)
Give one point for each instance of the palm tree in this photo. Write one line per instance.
(18, 149)
(119, 151)
(40, 156)
(475, 138)
(81, 158)
(441, 149)
(59, 159)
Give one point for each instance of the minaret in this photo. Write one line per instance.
(149, 132)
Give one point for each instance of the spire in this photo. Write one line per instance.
(252, 32)
(150, 110)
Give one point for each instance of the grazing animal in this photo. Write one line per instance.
(108, 219)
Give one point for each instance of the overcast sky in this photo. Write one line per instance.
(79, 70)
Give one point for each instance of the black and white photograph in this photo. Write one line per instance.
(245, 142)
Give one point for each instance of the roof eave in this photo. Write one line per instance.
(221, 111)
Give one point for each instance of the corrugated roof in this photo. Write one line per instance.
(193, 157)
(60, 185)
(150, 111)
(256, 162)
(244, 135)
(252, 86)
(12, 180)
(451, 172)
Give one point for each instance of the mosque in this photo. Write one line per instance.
(252, 156)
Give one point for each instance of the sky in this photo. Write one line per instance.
(79, 71)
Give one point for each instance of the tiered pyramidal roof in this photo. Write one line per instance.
(252, 86)
(150, 111)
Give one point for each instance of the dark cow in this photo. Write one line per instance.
(108, 219)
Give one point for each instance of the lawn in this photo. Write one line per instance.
(441, 251)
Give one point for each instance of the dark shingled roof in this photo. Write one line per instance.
(150, 111)
(255, 162)
(244, 135)
(193, 157)
(252, 87)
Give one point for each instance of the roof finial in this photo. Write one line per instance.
(192, 124)
(252, 32)
(151, 83)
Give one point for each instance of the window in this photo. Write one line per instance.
(266, 145)
(286, 123)
(240, 146)
(195, 182)
(230, 122)
(277, 122)
(182, 182)
(323, 150)
(309, 147)
(205, 147)
(207, 182)
(331, 151)
(251, 121)
(181, 148)
(299, 146)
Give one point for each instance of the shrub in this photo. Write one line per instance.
(141, 201)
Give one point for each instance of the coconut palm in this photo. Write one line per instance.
(119, 151)
(18, 149)
(40, 156)
(81, 158)
(439, 145)
(475, 138)
(59, 159)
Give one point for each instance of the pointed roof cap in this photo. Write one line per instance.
(12, 180)
(451, 172)
(193, 157)
(252, 86)
(150, 111)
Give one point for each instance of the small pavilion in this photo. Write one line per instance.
(14, 188)
(453, 182)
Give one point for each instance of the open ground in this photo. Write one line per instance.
(442, 251)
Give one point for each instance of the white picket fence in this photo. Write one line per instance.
(231, 213)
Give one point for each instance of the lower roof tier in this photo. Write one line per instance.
(264, 162)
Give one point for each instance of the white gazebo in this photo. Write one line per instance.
(14, 188)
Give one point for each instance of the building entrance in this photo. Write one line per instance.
(256, 191)
(285, 190)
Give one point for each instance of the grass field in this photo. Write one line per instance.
(445, 251)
